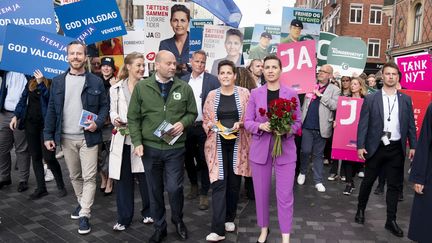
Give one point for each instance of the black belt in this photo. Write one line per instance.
(392, 142)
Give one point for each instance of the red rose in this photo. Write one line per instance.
(294, 117)
(293, 100)
(262, 111)
(269, 115)
(279, 113)
(114, 131)
(288, 109)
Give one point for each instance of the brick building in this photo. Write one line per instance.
(412, 31)
(360, 19)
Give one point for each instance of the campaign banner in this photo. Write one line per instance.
(420, 102)
(308, 20)
(90, 21)
(347, 55)
(416, 71)
(195, 40)
(64, 2)
(134, 41)
(298, 65)
(344, 144)
(26, 50)
(33, 14)
(247, 39)
(160, 33)
(221, 43)
(325, 39)
(264, 41)
(199, 23)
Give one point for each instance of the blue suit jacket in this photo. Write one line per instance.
(210, 82)
(371, 124)
(169, 45)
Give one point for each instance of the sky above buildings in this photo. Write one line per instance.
(254, 12)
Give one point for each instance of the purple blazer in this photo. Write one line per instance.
(260, 142)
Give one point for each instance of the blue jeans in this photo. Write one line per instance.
(312, 146)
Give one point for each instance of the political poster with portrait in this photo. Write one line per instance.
(222, 43)
(264, 41)
(344, 144)
(420, 102)
(416, 70)
(90, 21)
(298, 65)
(26, 49)
(113, 46)
(162, 31)
(33, 14)
(196, 34)
(299, 24)
(347, 55)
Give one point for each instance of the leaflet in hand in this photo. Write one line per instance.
(163, 132)
(86, 115)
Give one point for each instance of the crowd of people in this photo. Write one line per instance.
(216, 131)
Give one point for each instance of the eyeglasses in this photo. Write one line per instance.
(322, 71)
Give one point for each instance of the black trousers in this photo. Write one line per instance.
(390, 159)
(126, 190)
(351, 168)
(158, 163)
(195, 139)
(38, 152)
(225, 193)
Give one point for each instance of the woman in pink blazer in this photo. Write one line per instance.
(261, 146)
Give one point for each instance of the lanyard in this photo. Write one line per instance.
(390, 110)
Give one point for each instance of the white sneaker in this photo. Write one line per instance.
(48, 174)
(229, 227)
(59, 155)
(148, 220)
(361, 174)
(326, 162)
(320, 187)
(301, 179)
(119, 227)
(213, 237)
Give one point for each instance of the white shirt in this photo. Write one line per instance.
(196, 85)
(15, 84)
(391, 115)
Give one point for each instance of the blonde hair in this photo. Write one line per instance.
(363, 89)
(129, 59)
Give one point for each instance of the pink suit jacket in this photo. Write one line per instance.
(261, 141)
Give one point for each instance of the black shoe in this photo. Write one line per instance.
(349, 188)
(268, 232)
(62, 192)
(379, 190)
(5, 183)
(23, 186)
(158, 236)
(38, 194)
(360, 216)
(181, 231)
(401, 197)
(393, 227)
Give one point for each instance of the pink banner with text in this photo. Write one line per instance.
(298, 65)
(345, 132)
(416, 71)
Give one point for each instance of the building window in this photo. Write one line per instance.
(375, 14)
(388, 44)
(417, 23)
(390, 21)
(356, 12)
(374, 48)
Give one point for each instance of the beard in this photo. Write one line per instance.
(76, 65)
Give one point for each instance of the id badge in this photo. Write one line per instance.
(386, 138)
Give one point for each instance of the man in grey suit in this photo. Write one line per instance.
(317, 117)
(386, 124)
(202, 83)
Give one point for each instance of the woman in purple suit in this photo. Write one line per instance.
(260, 156)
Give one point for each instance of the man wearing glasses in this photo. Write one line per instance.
(317, 117)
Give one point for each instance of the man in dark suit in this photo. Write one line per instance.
(202, 83)
(386, 123)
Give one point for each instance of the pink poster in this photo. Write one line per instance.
(416, 71)
(345, 132)
(298, 65)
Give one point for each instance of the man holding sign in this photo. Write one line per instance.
(386, 124)
(75, 95)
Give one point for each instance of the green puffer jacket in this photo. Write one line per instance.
(147, 110)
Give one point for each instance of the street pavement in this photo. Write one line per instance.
(318, 217)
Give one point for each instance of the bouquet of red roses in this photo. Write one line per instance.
(281, 117)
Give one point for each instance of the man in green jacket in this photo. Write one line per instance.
(162, 97)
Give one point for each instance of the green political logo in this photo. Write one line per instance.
(347, 55)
